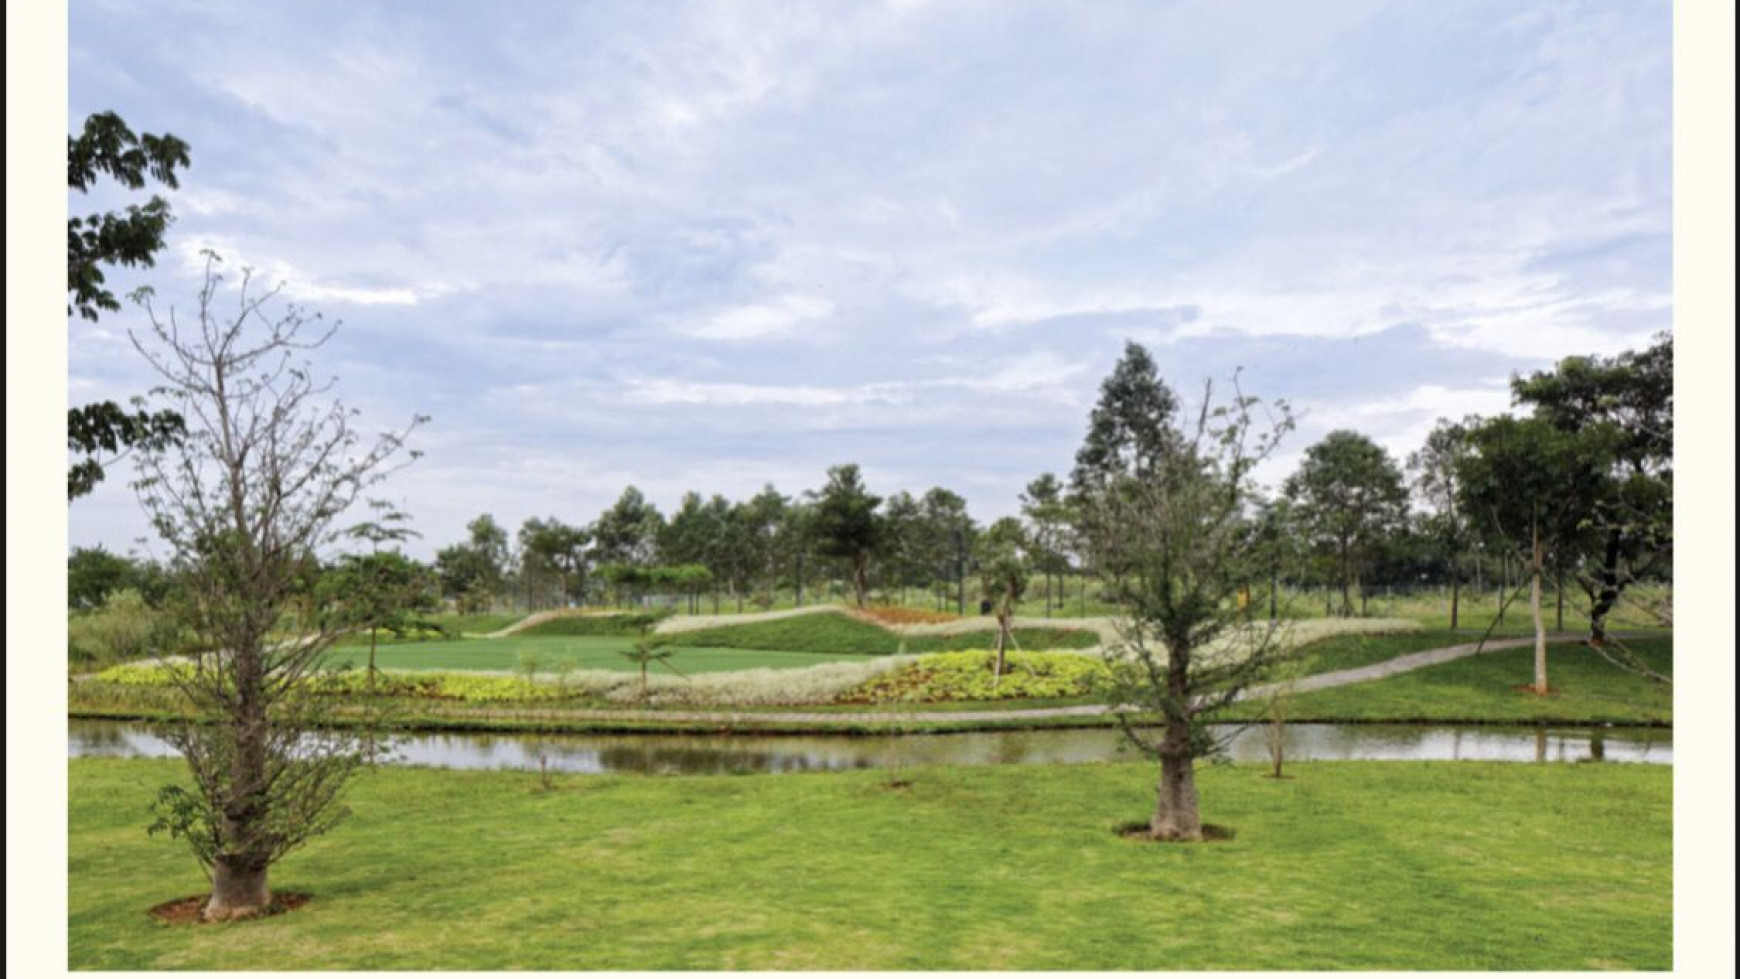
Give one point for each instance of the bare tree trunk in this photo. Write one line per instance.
(1559, 591)
(1002, 641)
(238, 890)
(1609, 593)
(1177, 815)
(1540, 624)
(239, 871)
(1455, 595)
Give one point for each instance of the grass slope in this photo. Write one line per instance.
(831, 632)
(1348, 866)
(584, 652)
(1585, 689)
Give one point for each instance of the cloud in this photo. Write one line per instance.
(724, 239)
(780, 317)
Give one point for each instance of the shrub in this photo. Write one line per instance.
(1028, 639)
(125, 628)
(968, 675)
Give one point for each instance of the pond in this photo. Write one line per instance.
(722, 754)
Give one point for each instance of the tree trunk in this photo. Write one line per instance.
(1559, 591)
(1540, 624)
(1455, 597)
(1002, 643)
(238, 890)
(1609, 594)
(1177, 815)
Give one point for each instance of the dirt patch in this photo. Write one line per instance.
(185, 910)
(1140, 830)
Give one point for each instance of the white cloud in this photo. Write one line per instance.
(780, 317)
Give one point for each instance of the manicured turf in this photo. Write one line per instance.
(1347, 652)
(1347, 866)
(1585, 688)
(626, 624)
(831, 632)
(583, 652)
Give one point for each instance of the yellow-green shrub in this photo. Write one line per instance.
(942, 677)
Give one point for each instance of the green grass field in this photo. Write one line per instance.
(831, 632)
(1347, 866)
(1585, 688)
(582, 652)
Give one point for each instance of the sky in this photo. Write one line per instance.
(713, 246)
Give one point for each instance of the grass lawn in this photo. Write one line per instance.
(831, 632)
(1348, 866)
(584, 652)
(1585, 688)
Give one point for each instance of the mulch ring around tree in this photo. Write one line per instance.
(185, 910)
(1141, 830)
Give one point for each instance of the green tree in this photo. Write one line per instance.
(1004, 563)
(553, 551)
(92, 573)
(1435, 467)
(846, 525)
(379, 590)
(1131, 428)
(1185, 651)
(101, 433)
(1048, 518)
(902, 544)
(472, 573)
(1535, 484)
(628, 532)
(948, 535)
(1349, 497)
(1631, 522)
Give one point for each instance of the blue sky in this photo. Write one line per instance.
(710, 246)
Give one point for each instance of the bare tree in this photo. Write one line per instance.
(244, 502)
(1179, 533)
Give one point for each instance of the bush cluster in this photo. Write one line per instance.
(124, 628)
(970, 676)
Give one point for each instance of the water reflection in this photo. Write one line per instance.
(667, 754)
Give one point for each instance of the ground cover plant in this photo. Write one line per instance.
(972, 676)
(1375, 865)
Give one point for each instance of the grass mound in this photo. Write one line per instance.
(621, 624)
(836, 632)
(823, 632)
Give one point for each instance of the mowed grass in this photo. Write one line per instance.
(1347, 866)
(1585, 688)
(578, 652)
(831, 632)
